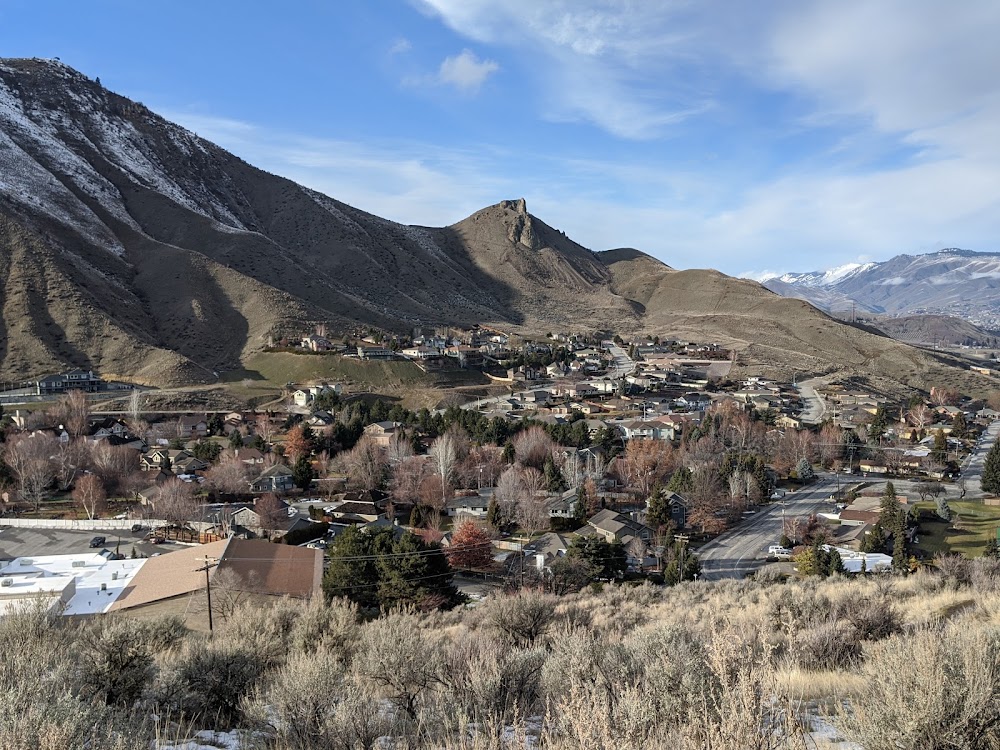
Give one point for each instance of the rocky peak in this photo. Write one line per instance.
(519, 227)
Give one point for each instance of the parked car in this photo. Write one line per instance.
(97, 541)
(138, 527)
(776, 550)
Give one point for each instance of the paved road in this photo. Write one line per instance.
(815, 407)
(621, 365)
(742, 550)
(972, 468)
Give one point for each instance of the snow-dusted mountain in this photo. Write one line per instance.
(823, 278)
(950, 282)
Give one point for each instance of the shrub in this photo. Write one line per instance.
(934, 688)
(521, 618)
(831, 645)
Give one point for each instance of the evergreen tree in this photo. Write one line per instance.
(580, 506)
(493, 515)
(991, 470)
(958, 425)
(606, 560)
(302, 473)
(658, 510)
(804, 470)
(682, 481)
(236, 439)
(878, 425)
(940, 451)
(554, 480)
(509, 454)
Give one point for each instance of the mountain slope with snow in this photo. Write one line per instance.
(950, 282)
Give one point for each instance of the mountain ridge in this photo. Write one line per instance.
(135, 247)
(951, 281)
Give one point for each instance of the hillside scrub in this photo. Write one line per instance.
(893, 662)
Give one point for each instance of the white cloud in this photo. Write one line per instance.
(905, 89)
(599, 61)
(413, 183)
(465, 71)
(400, 46)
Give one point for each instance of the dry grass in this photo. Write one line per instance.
(826, 686)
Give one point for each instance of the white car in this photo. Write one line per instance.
(776, 550)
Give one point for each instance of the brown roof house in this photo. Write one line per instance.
(239, 571)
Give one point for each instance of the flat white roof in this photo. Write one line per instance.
(51, 574)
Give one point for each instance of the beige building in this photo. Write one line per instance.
(240, 570)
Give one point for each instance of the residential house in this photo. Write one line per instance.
(277, 478)
(321, 418)
(375, 352)
(109, 427)
(615, 526)
(250, 456)
(83, 380)
(476, 505)
(315, 343)
(546, 549)
(356, 511)
(252, 571)
(466, 356)
(191, 427)
(382, 433)
(246, 520)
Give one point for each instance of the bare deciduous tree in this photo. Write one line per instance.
(175, 502)
(73, 412)
(399, 450)
(89, 494)
(68, 459)
(230, 475)
(30, 460)
(444, 454)
(532, 447)
(113, 463)
(365, 464)
(270, 512)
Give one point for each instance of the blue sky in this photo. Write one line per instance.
(748, 137)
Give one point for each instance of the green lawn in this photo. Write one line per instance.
(972, 526)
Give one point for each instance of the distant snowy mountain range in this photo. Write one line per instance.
(950, 282)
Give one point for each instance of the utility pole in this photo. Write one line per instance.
(683, 539)
(210, 562)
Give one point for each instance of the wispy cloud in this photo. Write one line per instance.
(409, 182)
(400, 47)
(466, 72)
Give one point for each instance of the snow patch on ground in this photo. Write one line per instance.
(206, 739)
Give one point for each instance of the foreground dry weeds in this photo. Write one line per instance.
(889, 662)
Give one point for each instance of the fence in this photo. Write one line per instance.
(82, 524)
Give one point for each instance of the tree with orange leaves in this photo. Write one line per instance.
(471, 547)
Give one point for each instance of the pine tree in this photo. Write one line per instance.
(991, 470)
(554, 481)
(493, 515)
(940, 451)
(657, 510)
